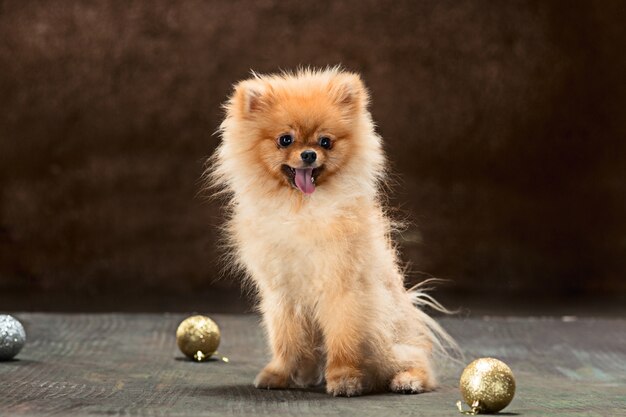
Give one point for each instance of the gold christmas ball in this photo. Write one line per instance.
(198, 337)
(487, 385)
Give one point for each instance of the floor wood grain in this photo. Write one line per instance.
(128, 364)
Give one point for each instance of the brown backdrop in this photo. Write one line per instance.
(504, 120)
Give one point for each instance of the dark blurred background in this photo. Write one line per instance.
(505, 122)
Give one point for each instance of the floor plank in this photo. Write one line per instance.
(128, 364)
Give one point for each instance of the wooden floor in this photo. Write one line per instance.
(115, 364)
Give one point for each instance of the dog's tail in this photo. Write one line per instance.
(444, 344)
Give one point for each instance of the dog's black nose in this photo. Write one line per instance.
(308, 156)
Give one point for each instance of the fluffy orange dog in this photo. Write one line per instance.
(303, 166)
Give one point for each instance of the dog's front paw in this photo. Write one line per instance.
(269, 378)
(344, 383)
(412, 381)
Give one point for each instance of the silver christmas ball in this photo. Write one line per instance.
(12, 337)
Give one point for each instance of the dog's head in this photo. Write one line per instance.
(301, 131)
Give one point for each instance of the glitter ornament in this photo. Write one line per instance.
(198, 337)
(12, 337)
(487, 386)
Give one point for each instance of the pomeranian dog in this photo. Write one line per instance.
(303, 167)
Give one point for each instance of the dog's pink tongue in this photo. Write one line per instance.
(303, 180)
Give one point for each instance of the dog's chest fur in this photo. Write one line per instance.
(299, 251)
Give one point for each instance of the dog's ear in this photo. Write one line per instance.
(348, 90)
(250, 96)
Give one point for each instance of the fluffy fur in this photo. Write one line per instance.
(331, 290)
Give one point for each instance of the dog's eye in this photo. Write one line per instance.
(285, 140)
(325, 142)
